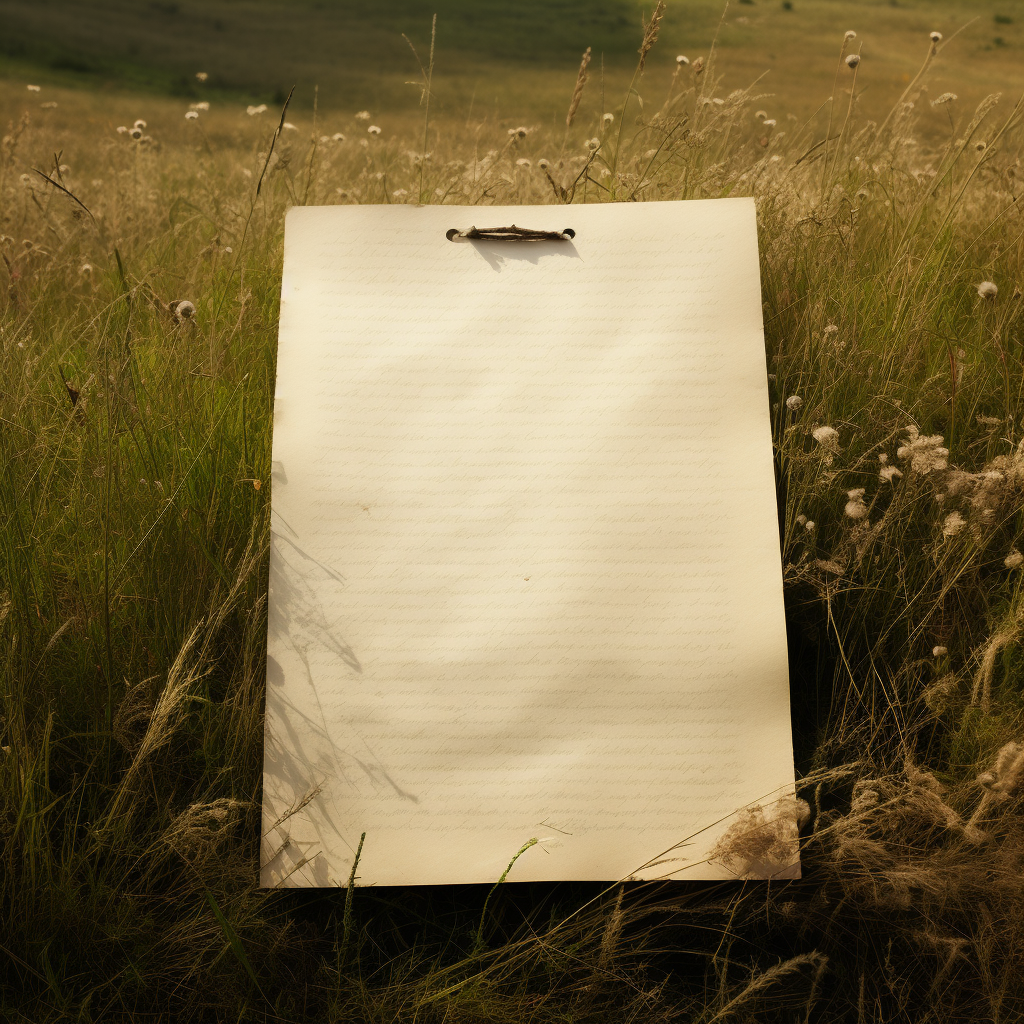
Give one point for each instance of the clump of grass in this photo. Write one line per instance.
(138, 306)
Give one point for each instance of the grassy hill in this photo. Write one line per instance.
(517, 57)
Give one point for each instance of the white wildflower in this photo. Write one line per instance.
(400, 193)
(136, 133)
(338, 137)
(33, 88)
(810, 525)
(801, 520)
(853, 60)
(289, 127)
(593, 144)
(939, 652)
(191, 115)
(926, 454)
(204, 105)
(139, 123)
(363, 115)
(607, 119)
(888, 474)
(682, 60)
(1013, 559)
(827, 437)
(988, 289)
(543, 163)
(85, 269)
(182, 309)
(935, 37)
(524, 163)
(769, 122)
(850, 35)
(794, 402)
(946, 97)
(253, 111)
(953, 524)
(373, 129)
(122, 129)
(855, 507)
(49, 105)
(830, 329)
(761, 115)
(202, 76)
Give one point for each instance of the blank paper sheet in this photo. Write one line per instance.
(525, 579)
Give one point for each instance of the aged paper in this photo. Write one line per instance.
(525, 576)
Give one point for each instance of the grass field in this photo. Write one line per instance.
(513, 60)
(134, 504)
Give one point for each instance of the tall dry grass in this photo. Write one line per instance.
(137, 331)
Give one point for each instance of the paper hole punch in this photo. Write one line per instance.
(510, 234)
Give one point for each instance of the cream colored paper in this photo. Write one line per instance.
(525, 578)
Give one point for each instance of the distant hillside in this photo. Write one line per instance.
(516, 54)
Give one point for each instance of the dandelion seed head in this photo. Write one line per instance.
(1013, 559)
(926, 454)
(853, 60)
(988, 289)
(946, 97)
(855, 507)
(953, 524)
(827, 437)
(794, 402)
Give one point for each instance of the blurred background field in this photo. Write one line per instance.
(141, 212)
(511, 60)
